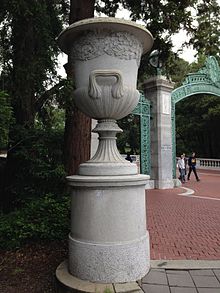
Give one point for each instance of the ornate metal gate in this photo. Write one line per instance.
(205, 81)
(143, 110)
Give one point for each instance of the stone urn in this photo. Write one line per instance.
(108, 242)
(105, 55)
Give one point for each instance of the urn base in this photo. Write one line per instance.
(109, 263)
(109, 242)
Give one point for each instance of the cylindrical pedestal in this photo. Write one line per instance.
(108, 242)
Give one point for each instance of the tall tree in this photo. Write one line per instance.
(205, 32)
(162, 18)
(28, 51)
(78, 125)
(28, 32)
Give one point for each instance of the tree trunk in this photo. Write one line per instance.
(80, 9)
(77, 136)
(77, 139)
(23, 82)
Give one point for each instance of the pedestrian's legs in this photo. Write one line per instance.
(195, 173)
(190, 170)
(182, 175)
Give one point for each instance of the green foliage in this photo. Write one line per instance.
(28, 51)
(5, 119)
(197, 126)
(205, 33)
(177, 69)
(44, 218)
(35, 165)
(197, 117)
(129, 140)
(108, 7)
(50, 117)
(161, 18)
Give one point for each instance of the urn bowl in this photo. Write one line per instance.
(105, 54)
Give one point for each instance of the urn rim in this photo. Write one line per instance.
(66, 37)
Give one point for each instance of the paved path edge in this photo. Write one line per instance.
(185, 264)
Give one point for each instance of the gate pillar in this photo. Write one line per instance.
(158, 90)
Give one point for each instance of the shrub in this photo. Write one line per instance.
(34, 166)
(45, 218)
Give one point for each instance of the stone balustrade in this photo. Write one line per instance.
(213, 164)
(202, 163)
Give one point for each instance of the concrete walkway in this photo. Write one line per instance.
(163, 277)
(184, 227)
(181, 281)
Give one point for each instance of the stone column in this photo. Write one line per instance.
(158, 91)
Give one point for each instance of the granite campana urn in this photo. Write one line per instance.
(108, 242)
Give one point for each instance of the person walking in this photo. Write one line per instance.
(185, 161)
(192, 166)
(181, 166)
(128, 158)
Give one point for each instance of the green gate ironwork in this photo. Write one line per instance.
(205, 81)
(143, 110)
(173, 125)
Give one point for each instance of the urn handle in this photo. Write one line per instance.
(95, 91)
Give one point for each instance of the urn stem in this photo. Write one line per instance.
(107, 149)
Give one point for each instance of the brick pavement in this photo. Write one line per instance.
(185, 227)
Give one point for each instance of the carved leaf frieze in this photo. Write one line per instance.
(121, 45)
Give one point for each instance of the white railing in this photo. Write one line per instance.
(204, 163)
(213, 164)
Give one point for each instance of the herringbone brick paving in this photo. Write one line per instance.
(186, 227)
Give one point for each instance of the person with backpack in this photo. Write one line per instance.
(192, 166)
